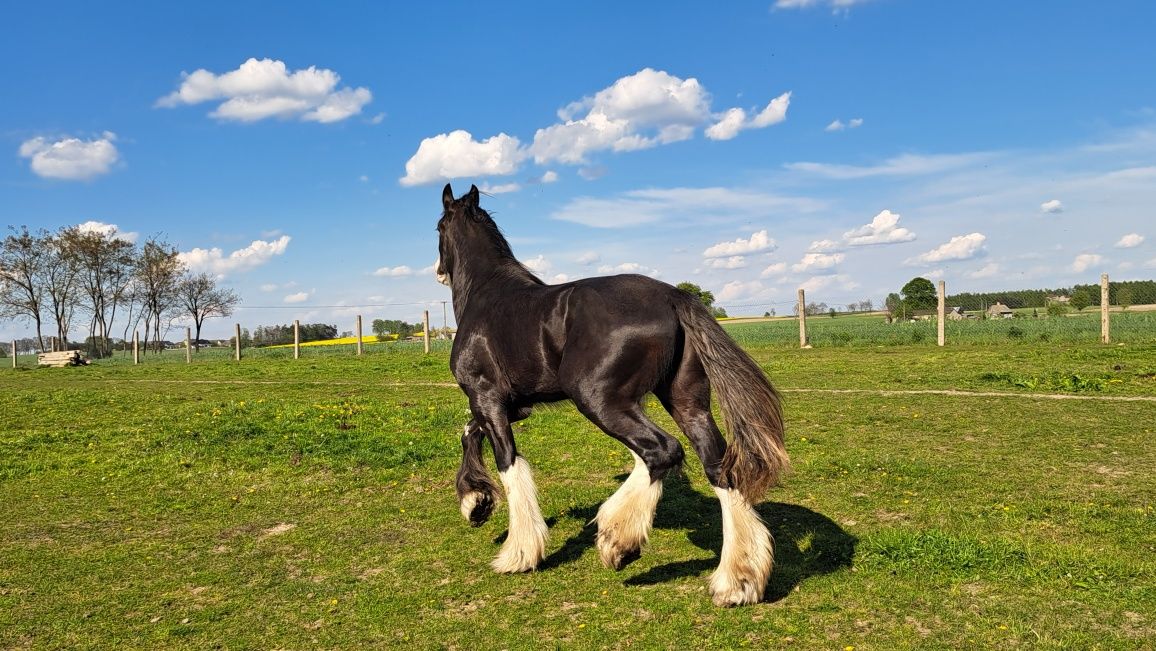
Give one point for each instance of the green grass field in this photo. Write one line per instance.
(939, 500)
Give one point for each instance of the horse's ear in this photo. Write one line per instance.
(472, 196)
(447, 197)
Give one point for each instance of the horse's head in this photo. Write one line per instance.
(460, 218)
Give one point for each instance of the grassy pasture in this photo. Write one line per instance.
(275, 503)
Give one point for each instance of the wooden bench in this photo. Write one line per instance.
(61, 359)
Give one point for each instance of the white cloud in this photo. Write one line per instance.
(628, 268)
(735, 119)
(393, 272)
(1053, 206)
(456, 154)
(728, 126)
(960, 247)
(883, 229)
(756, 243)
(299, 297)
(904, 165)
(738, 290)
(989, 270)
(638, 207)
(268, 287)
(1085, 261)
(823, 246)
(1129, 241)
(819, 283)
(108, 230)
(839, 125)
(549, 176)
(639, 111)
(733, 262)
(71, 159)
(265, 88)
(539, 265)
(817, 261)
(250, 257)
(588, 258)
(837, 6)
(774, 270)
(501, 188)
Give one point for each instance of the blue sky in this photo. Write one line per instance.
(844, 146)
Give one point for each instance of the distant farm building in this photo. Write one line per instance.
(999, 311)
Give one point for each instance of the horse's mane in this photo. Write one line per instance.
(509, 265)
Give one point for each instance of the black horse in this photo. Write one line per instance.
(604, 343)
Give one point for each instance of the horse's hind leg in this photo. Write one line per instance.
(747, 552)
(624, 520)
(477, 492)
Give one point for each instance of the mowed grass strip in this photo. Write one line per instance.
(147, 507)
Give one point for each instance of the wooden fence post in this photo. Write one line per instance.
(1104, 338)
(802, 320)
(296, 339)
(942, 310)
(14, 354)
(425, 328)
(237, 354)
(135, 347)
(188, 345)
(358, 334)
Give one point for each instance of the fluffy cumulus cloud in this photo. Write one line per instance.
(812, 262)
(883, 229)
(739, 290)
(639, 111)
(1086, 261)
(960, 247)
(215, 261)
(836, 281)
(393, 272)
(452, 155)
(107, 230)
(266, 88)
(733, 262)
(71, 159)
(756, 243)
(823, 246)
(1052, 206)
(1130, 241)
(736, 120)
(648, 108)
(774, 269)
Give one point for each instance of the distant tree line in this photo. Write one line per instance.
(1125, 293)
(55, 280)
(283, 334)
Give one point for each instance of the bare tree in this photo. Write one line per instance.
(200, 298)
(23, 260)
(105, 265)
(158, 273)
(60, 285)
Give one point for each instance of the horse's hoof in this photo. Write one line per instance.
(616, 556)
(728, 594)
(477, 508)
(514, 562)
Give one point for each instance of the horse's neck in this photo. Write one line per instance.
(487, 281)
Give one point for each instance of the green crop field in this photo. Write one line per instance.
(973, 496)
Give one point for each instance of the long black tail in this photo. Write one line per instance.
(755, 459)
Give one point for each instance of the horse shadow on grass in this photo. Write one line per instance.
(807, 543)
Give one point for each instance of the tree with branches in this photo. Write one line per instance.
(23, 261)
(201, 298)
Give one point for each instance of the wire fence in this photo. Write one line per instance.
(1108, 312)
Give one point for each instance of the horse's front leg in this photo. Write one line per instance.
(477, 492)
(525, 545)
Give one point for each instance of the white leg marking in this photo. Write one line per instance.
(624, 520)
(525, 544)
(747, 553)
